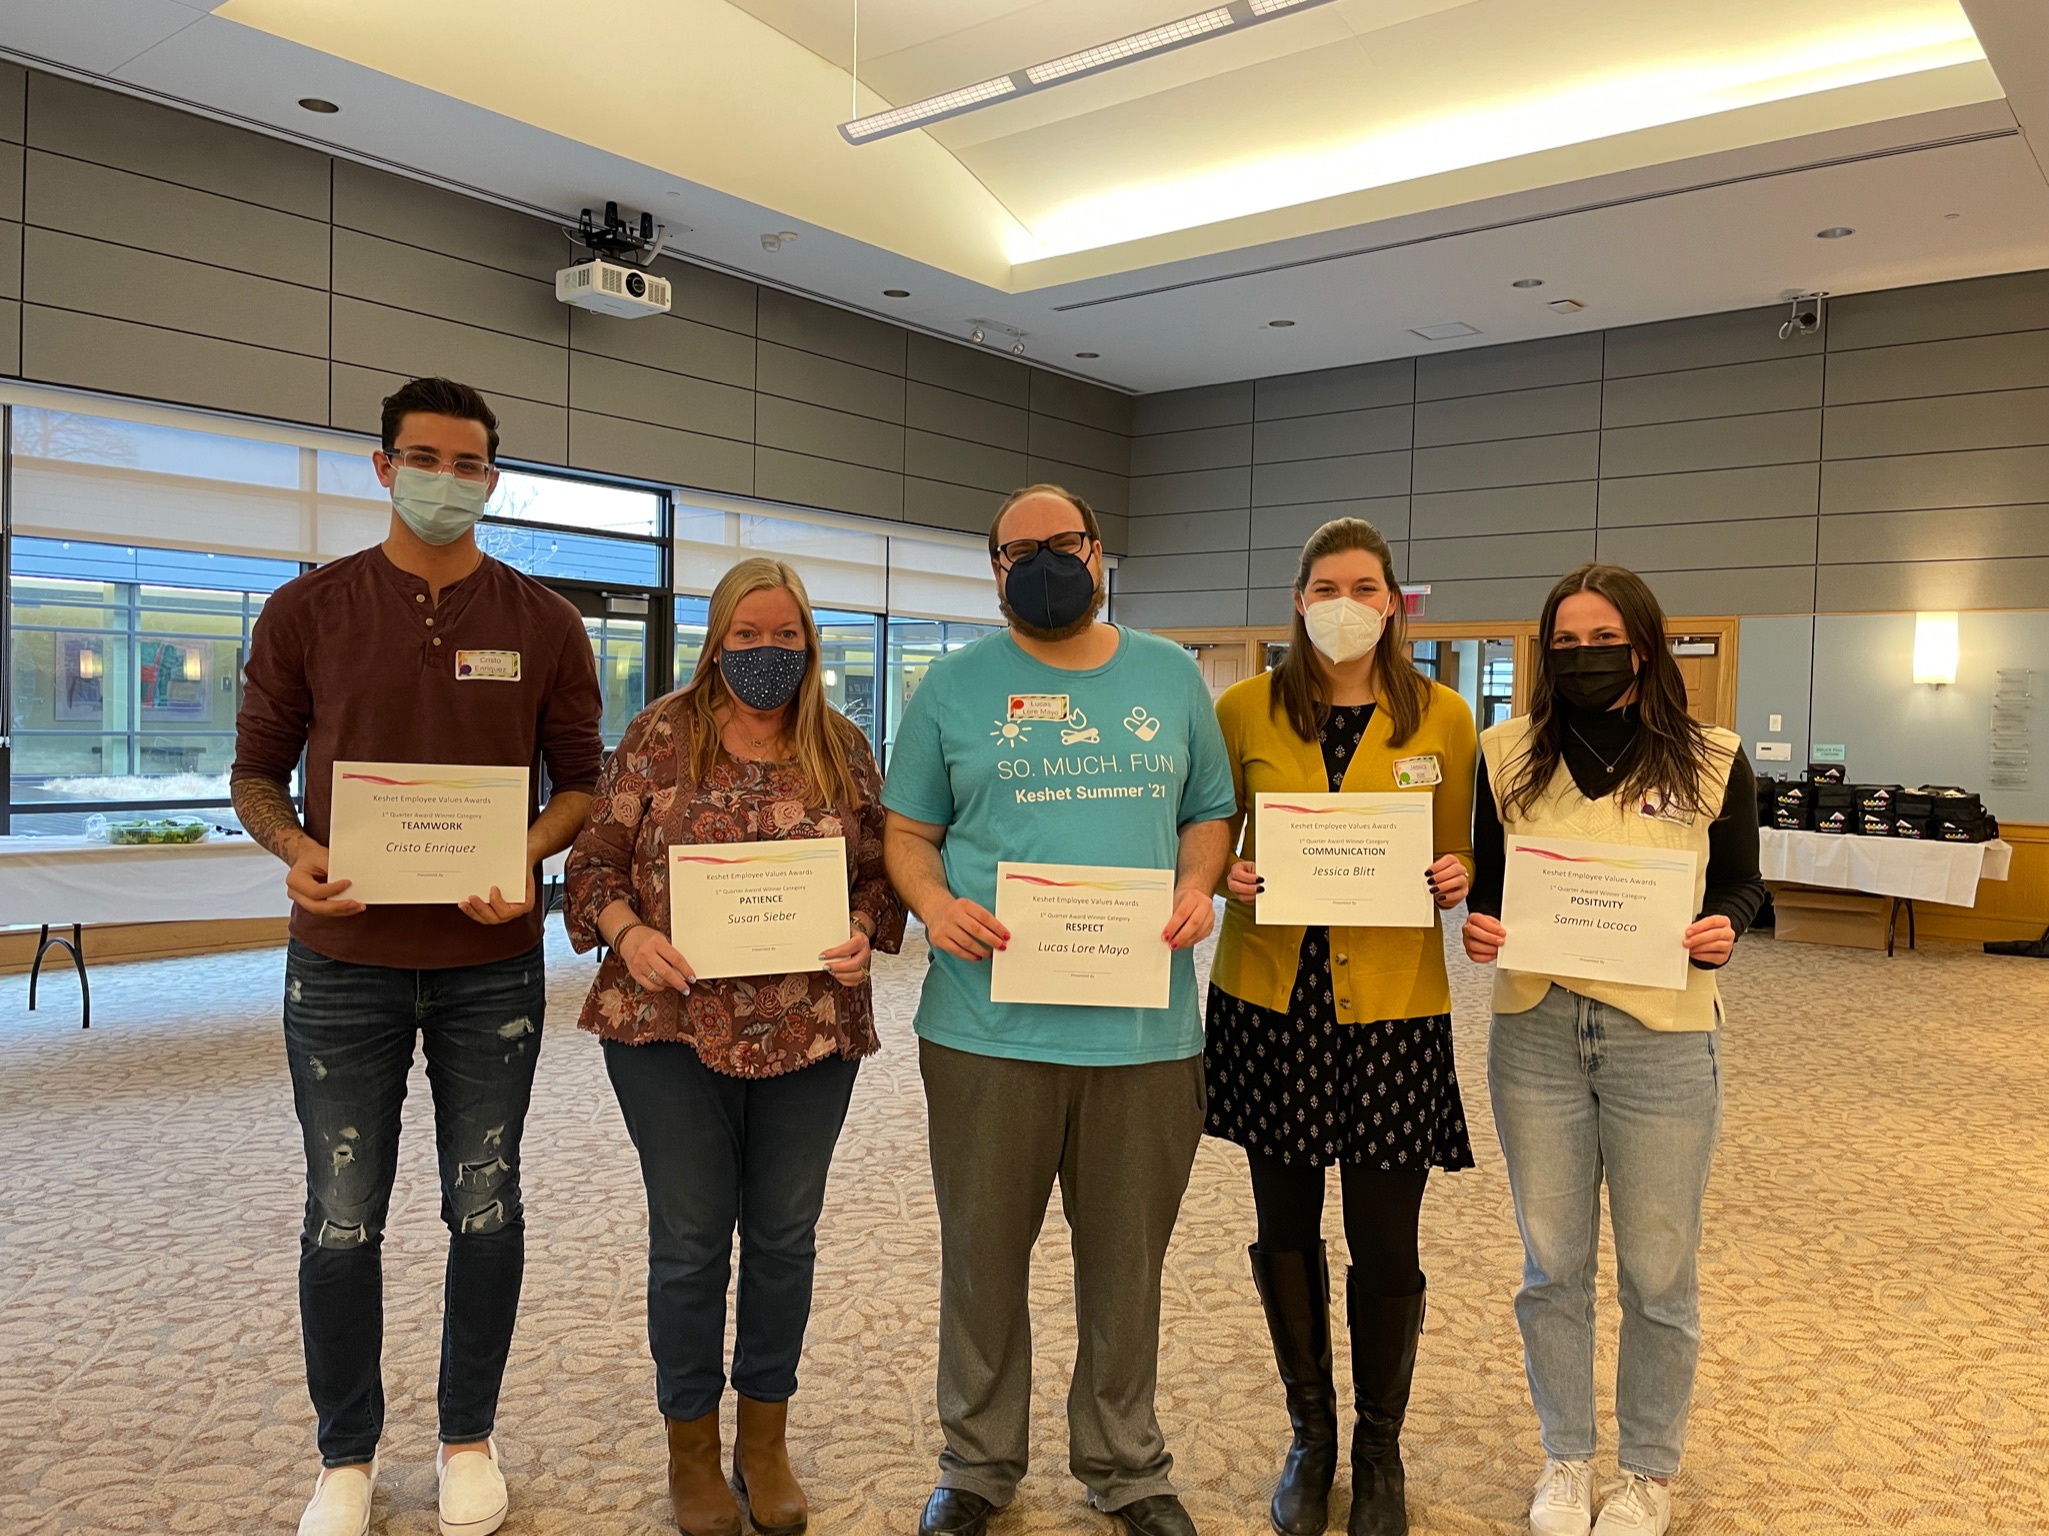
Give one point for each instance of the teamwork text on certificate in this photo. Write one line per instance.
(427, 833)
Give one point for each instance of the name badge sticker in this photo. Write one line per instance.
(1038, 706)
(1656, 807)
(1418, 772)
(487, 666)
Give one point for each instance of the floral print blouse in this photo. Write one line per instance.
(753, 1026)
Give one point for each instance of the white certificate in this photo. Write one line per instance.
(758, 909)
(434, 833)
(1597, 911)
(1350, 860)
(1083, 934)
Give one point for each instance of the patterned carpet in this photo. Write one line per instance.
(1875, 1280)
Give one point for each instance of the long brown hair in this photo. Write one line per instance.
(822, 736)
(1673, 755)
(1402, 691)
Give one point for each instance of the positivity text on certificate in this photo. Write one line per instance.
(431, 824)
(1039, 779)
(1595, 898)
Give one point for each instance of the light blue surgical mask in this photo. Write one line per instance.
(437, 507)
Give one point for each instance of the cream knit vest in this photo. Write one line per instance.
(1565, 812)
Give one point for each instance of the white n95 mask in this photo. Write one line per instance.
(1343, 628)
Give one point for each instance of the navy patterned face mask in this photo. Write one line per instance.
(764, 677)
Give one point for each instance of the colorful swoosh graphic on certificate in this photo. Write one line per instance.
(1089, 885)
(470, 783)
(1392, 807)
(1570, 858)
(792, 857)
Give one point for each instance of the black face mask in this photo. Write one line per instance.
(1592, 676)
(1050, 590)
(764, 677)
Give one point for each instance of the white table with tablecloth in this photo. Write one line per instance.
(1904, 868)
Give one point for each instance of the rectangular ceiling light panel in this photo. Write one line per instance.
(1071, 66)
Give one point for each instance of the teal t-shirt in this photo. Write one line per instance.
(1026, 763)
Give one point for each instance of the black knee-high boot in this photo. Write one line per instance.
(1384, 1334)
(1295, 1290)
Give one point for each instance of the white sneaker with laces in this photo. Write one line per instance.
(340, 1505)
(1564, 1503)
(1642, 1506)
(473, 1499)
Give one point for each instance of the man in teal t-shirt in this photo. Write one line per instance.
(1061, 740)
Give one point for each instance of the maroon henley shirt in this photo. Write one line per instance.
(356, 661)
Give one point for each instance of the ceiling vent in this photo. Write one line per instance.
(1449, 330)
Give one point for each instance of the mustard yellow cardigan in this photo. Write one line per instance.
(1377, 973)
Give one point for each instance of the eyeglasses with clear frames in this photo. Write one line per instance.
(429, 462)
(1072, 542)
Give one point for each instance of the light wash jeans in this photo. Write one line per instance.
(1580, 1090)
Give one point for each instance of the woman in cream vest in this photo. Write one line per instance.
(1592, 1079)
(1333, 1045)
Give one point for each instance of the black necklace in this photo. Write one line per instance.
(1606, 766)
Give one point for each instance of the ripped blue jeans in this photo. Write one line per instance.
(349, 1032)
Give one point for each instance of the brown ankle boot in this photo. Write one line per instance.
(761, 1466)
(698, 1494)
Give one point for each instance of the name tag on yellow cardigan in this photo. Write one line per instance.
(1418, 772)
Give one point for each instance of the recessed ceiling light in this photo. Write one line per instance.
(1279, 325)
(1838, 232)
(896, 293)
(1088, 355)
(1448, 330)
(1528, 282)
(315, 104)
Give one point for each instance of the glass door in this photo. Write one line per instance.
(1480, 668)
(631, 671)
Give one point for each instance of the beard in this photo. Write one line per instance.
(1046, 636)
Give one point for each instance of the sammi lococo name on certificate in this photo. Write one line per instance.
(1597, 911)
(758, 909)
(1349, 860)
(427, 833)
(1083, 934)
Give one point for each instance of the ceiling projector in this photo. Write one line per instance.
(612, 289)
(614, 279)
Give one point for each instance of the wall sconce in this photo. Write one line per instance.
(1935, 648)
(88, 665)
(194, 668)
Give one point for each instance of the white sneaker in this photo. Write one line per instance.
(340, 1505)
(1642, 1506)
(1564, 1505)
(473, 1501)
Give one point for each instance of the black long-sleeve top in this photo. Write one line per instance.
(1598, 749)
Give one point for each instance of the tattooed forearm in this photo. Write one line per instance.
(267, 815)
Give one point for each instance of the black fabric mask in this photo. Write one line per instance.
(1592, 676)
(1050, 590)
(764, 677)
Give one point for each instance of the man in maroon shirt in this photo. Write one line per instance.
(421, 650)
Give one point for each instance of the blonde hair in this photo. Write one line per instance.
(822, 736)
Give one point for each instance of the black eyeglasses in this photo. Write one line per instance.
(430, 462)
(1069, 543)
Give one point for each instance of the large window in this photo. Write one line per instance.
(123, 660)
(125, 675)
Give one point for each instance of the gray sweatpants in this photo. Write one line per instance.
(1121, 1141)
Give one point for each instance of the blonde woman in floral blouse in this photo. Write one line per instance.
(733, 1090)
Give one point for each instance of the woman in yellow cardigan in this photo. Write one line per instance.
(1334, 1045)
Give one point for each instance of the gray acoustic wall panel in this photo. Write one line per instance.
(1898, 457)
(176, 258)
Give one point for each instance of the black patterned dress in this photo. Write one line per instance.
(1303, 1087)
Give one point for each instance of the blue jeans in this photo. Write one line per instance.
(349, 1033)
(1580, 1090)
(718, 1152)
